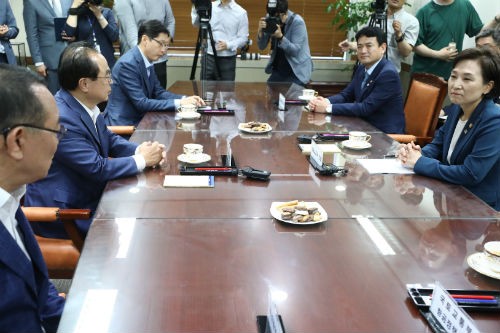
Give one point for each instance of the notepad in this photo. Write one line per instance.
(325, 148)
(188, 181)
(388, 165)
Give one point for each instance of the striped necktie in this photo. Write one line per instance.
(365, 79)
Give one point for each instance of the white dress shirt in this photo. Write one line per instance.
(9, 203)
(94, 113)
(229, 24)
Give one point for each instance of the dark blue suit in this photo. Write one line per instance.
(7, 17)
(81, 167)
(475, 162)
(28, 299)
(380, 102)
(133, 93)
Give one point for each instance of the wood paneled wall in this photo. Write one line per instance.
(323, 38)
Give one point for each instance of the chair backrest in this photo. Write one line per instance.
(61, 255)
(423, 104)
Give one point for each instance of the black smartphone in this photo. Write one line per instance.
(270, 324)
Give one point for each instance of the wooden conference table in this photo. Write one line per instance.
(159, 259)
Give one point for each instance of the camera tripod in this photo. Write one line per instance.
(379, 19)
(204, 32)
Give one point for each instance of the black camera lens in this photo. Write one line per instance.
(271, 24)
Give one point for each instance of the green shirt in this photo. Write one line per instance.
(440, 25)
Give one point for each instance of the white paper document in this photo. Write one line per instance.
(188, 181)
(386, 165)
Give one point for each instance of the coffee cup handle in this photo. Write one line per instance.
(369, 137)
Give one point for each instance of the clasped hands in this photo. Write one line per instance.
(153, 152)
(409, 154)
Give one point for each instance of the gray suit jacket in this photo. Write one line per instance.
(295, 44)
(7, 17)
(132, 13)
(39, 24)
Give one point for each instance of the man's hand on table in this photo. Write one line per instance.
(153, 152)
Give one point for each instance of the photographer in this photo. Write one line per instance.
(87, 21)
(402, 32)
(229, 24)
(290, 59)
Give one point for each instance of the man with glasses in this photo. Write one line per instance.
(29, 124)
(81, 165)
(136, 89)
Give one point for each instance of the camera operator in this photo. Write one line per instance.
(87, 21)
(402, 32)
(290, 59)
(229, 24)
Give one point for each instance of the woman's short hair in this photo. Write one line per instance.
(489, 61)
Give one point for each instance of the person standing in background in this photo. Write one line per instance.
(443, 25)
(40, 33)
(229, 24)
(131, 14)
(96, 25)
(8, 31)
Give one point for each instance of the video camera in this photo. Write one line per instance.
(272, 19)
(84, 9)
(379, 5)
(203, 8)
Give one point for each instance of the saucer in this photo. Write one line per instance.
(267, 129)
(194, 159)
(356, 145)
(306, 98)
(477, 262)
(189, 115)
(277, 214)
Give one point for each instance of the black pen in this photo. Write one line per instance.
(390, 156)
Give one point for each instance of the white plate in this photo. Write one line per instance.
(189, 115)
(277, 214)
(477, 262)
(356, 145)
(306, 98)
(243, 129)
(194, 159)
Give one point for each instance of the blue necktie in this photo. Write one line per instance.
(365, 79)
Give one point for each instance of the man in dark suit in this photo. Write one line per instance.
(374, 94)
(81, 165)
(136, 88)
(8, 31)
(29, 124)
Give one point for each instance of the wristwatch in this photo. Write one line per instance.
(400, 39)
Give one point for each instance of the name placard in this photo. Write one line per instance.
(447, 312)
(316, 153)
(281, 102)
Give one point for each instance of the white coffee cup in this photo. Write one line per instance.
(359, 136)
(492, 255)
(192, 149)
(309, 93)
(187, 108)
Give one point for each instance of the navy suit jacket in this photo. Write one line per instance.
(475, 161)
(380, 102)
(28, 299)
(81, 167)
(133, 93)
(7, 17)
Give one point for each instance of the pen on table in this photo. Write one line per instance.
(472, 296)
(213, 169)
(210, 111)
(390, 156)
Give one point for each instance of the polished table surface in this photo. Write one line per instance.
(152, 275)
(358, 193)
(189, 259)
